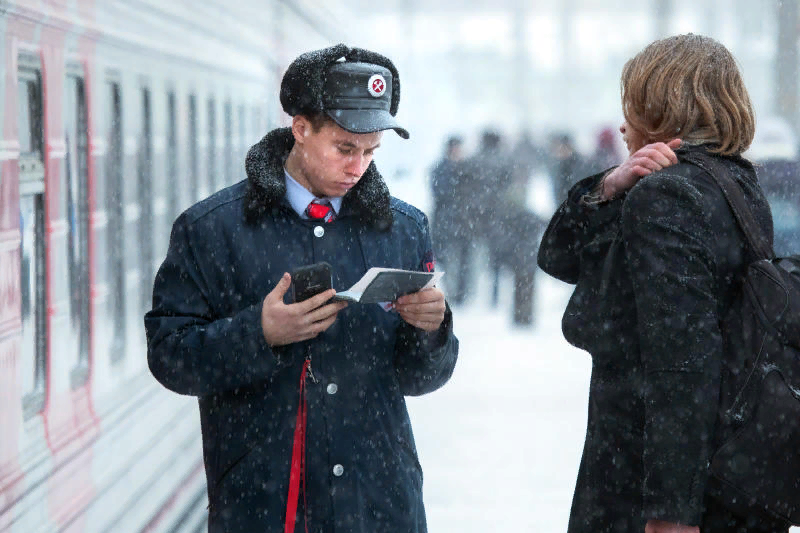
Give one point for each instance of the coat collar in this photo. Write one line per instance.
(266, 187)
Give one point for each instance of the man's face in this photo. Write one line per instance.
(333, 159)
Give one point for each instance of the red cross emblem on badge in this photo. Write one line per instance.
(376, 85)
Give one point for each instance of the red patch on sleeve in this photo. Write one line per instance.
(428, 262)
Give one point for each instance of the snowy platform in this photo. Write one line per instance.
(501, 442)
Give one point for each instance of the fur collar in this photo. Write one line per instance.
(266, 188)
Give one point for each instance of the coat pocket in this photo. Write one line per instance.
(214, 490)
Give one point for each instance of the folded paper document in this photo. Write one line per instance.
(388, 284)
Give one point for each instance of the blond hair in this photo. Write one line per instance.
(688, 87)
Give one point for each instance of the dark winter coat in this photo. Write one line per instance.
(205, 339)
(654, 269)
(451, 193)
(489, 175)
(446, 184)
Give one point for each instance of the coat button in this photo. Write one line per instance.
(319, 231)
(332, 388)
(338, 470)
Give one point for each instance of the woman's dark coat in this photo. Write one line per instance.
(654, 269)
(205, 339)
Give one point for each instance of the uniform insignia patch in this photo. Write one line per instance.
(376, 85)
(428, 262)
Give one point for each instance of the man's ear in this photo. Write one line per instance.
(301, 127)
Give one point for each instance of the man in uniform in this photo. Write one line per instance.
(302, 404)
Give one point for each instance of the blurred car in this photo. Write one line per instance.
(775, 152)
(780, 180)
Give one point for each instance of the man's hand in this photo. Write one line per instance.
(423, 309)
(644, 161)
(657, 526)
(285, 324)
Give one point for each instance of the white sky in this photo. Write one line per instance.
(460, 73)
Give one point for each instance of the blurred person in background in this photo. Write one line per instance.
(655, 253)
(488, 176)
(775, 152)
(505, 224)
(452, 234)
(566, 165)
(526, 157)
(491, 176)
(302, 408)
(606, 152)
(518, 254)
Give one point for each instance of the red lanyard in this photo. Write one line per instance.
(298, 471)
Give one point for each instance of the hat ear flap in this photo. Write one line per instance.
(301, 86)
(361, 55)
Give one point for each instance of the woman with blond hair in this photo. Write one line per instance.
(655, 253)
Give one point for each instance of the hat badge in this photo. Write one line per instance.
(376, 85)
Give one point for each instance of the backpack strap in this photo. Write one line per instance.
(733, 193)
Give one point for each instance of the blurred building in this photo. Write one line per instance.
(550, 64)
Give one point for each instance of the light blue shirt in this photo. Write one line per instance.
(299, 197)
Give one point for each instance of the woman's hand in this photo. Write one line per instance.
(657, 526)
(650, 158)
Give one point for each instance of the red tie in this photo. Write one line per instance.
(320, 210)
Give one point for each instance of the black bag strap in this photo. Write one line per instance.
(758, 242)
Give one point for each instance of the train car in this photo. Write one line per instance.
(117, 116)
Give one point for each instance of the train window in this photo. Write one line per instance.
(228, 159)
(116, 221)
(194, 173)
(144, 168)
(172, 158)
(34, 302)
(212, 146)
(27, 95)
(75, 187)
(31, 136)
(33, 297)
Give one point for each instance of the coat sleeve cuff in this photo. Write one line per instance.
(584, 187)
(435, 340)
(600, 212)
(672, 508)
